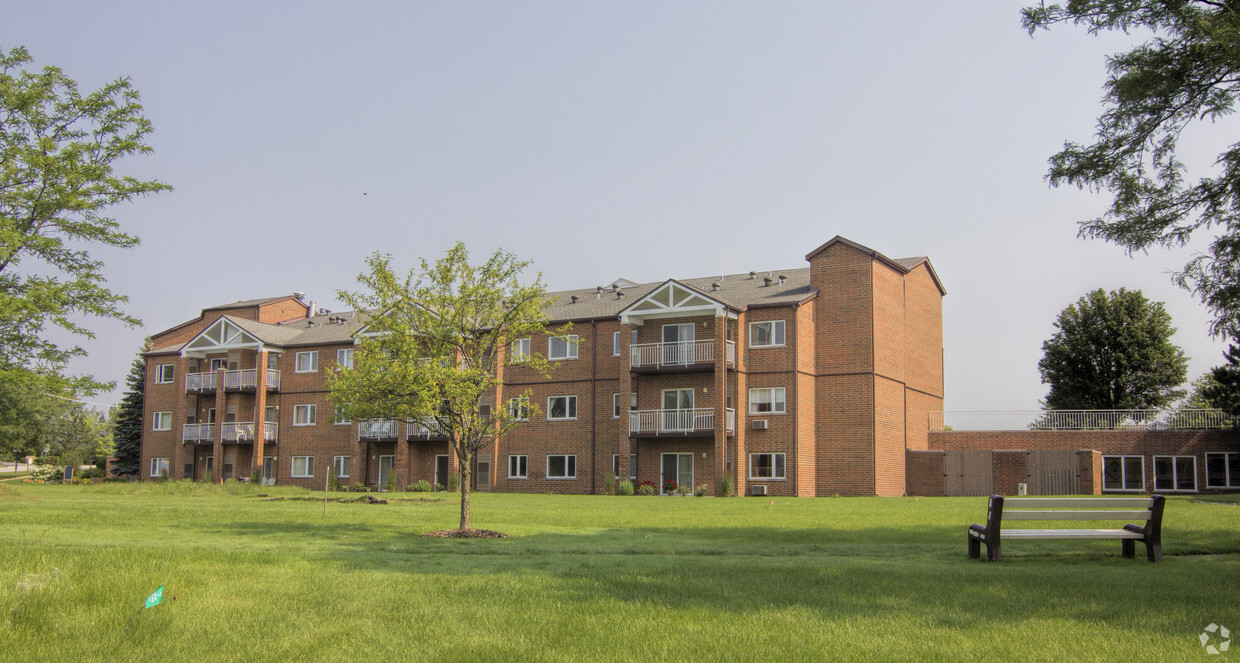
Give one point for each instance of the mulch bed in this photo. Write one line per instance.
(466, 534)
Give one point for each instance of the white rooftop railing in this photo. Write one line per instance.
(1184, 419)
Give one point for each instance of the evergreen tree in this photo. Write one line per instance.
(127, 435)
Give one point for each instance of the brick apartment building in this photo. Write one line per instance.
(806, 381)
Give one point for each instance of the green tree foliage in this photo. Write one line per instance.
(127, 422)
(57, 150)
(1188, 72)
(79, 436)
(1112, 352)
(1222, 390)
(433, 344)
(26, 412)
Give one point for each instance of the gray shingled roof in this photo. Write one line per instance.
(248, 302)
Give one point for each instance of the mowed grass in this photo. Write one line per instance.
(585, 578)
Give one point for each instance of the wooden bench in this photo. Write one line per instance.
(1149, 509)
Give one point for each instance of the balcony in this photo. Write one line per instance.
(377, 430)
(678, 357)
(198, 433)
(243, 431)
(246, 380)
(426, 429)
(196, 383)
(697, 422)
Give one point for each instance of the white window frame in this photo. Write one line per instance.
(218, 363)
(615, 344)
(1230, 480)
(312, 356)
(165, 374)
(520, 351)
(161, 421)
(337, 419)
(519, 408)
(307, 469)
(570, 408)
(775, 476)
(566, 458)
(344, 358)
(160, 463)
(1123, 476)
(632, 467)
(342, 463)
(309, 420)
(615, 405)
(774, 324)
(1175, 474)
(762, 395)
(615, 466)
(570, 348)
(518, 466)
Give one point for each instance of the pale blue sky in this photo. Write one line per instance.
(695, 138)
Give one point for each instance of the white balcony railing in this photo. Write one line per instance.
(273, 379)
(1186, 419)
(237, 431)
(424, 429)
(199, 382)
(678, 353)
(270, 428)
(198, 433)
(697, 420)
(377, 429)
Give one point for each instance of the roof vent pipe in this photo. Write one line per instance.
(310, 311)
(766, 281)
(714, 286)
(753, 275)
(782, 278)
(299, 295)
(574, 299)
(619, 295)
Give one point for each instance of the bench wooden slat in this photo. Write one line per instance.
(1068, 534)
(1079, 502)
(1113, 514)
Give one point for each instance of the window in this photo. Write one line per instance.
(633, 467)
(615, 406)
(217, 364)
(1175, 473)
(615, 465)
(767, 401)
(615, 344)
(766, 466)
(520, 350)
(164, 373)
(303, 466)
(562, 348)
(303, 415)
(1123, 473)
(341, 465)
(766, 334)
(517, 467)
(338, 416)
(159, 467)
(307, 362)
(519, 409)
(344, 358)
(1223, 470)
(561, 407)
(273, 361)
(562, 466)
(161, 421)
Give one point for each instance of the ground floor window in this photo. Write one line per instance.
(341, 465)
(1223, 470)
(615, 466)
(159, 467)
(767, 466)
(1123, 473)
(303, 466)
(561, 466)
(1175, 473)
(615, 463)
(517, 467)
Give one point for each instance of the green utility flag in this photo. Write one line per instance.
(155, 598)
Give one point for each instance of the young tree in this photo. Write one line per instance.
(57, 148)
(26, 412)
(127, 431)
(433, 343)
(1112, 352)
(79, 436)
(1188, 72)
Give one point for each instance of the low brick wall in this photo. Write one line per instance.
(923, 473)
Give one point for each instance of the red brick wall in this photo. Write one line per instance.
(924, 473)
(1008, 468)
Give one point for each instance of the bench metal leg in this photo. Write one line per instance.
(1129, 548)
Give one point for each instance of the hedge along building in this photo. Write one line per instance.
(808, 381)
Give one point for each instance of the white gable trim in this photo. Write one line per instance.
(221, 336)
(672, 300)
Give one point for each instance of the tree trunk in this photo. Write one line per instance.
(465, 489)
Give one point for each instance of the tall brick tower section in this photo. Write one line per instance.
(878, 365)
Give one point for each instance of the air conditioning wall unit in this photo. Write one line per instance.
(761, 424)
(757, 490)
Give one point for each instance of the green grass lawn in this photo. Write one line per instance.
(585, 578)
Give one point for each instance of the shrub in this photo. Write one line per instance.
(669, 486)
(206, 476)
(725, 487)
(391, 484)
(332, 481)
(358, 487)
(90, 473)
(609, 485)
(626, 488)
(422, 486)
(701, 491)
(452, 481)
(683, 490)
(439, 487)
(47, 472)
(645, 488)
